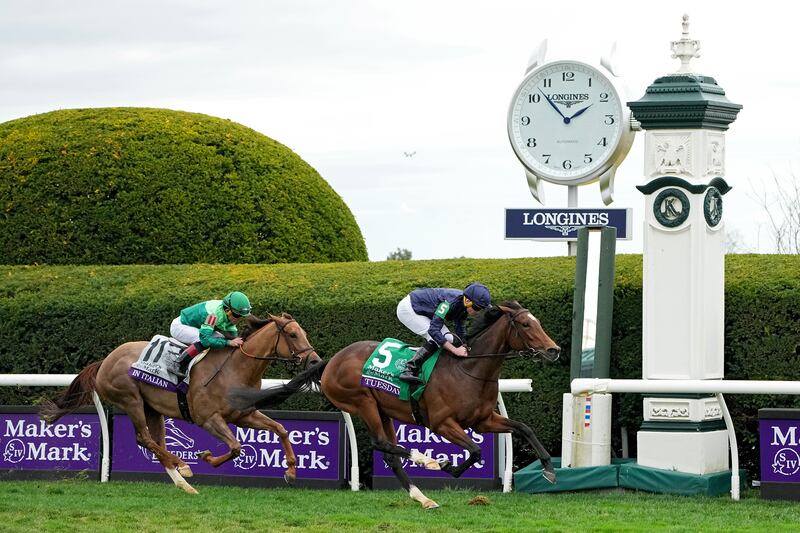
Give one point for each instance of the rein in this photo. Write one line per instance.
(273, 355)
(516, 353)
(295, 360)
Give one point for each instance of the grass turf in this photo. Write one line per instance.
(77, 505)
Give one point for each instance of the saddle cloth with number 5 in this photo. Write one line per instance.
(387, 362)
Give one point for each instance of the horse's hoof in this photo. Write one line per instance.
(430, 504)
(185, 471)
(432, 465)
(550, 476)
(187, 488)
(444, 465)
(204, 455)
(289, 479)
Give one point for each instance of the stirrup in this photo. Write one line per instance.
(410, 378)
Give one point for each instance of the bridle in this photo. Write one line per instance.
(530, 351)
(272, 356)
(534, 353)
(513, 354)
(295, 359)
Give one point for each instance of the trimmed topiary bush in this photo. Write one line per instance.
(154, 186)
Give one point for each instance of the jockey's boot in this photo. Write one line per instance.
(414, 365)
(186, 356)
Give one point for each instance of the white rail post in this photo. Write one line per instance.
(507, 472)
(105, 466)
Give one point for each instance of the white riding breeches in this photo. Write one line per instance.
(186, 334)
(419, 324)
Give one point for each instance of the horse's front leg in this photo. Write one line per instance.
(258, 420)
(500, 424)
(217, 427)
(453, 432)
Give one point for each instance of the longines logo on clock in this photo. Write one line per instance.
(568, 99)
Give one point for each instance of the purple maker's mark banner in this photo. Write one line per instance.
(315, 444)
(422, 439)
(28, 443)
(780, 450)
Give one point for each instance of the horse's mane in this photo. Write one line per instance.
(255, 323)
(487, 317)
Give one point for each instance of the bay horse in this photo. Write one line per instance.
(462, 392)
(265, 339)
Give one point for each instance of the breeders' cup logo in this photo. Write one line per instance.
(14, 452)
(174, 437)
(786, 462)
(248, 457)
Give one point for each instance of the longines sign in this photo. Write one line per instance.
(563, 224)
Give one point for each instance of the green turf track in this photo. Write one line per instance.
(78, 505)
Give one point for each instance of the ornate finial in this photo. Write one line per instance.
(686, 48)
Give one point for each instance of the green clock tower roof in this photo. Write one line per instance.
(684, 100)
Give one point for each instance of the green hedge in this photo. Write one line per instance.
(58, 319)
(155, 186)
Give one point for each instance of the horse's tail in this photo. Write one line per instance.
(249, 399)
(78, 393)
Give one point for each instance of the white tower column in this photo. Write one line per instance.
(684, 116)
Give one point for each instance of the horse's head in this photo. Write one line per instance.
(295, 341)
(526, 334)
(288, 340)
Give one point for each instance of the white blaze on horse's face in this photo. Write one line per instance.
(533, 317)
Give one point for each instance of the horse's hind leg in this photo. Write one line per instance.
(392, 460)
(155, 424)
(135, 410)
(500, 424)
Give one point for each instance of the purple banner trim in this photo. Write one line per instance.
(422, 439)
(150, 379)
(316, 444)
(780, 450)
(28, 443)
(380, 384)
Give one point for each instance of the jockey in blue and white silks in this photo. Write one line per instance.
(424, 311)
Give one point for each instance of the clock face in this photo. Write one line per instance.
(565, 122)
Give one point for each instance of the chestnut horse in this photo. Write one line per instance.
(461, 393)
(274, 338)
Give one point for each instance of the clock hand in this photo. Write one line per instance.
(581, 111)
(566, 120)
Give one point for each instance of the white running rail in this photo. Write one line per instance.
(63, 380)
(717, 387)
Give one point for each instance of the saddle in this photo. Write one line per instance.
(157, 365)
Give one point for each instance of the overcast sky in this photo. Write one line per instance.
(352, 86)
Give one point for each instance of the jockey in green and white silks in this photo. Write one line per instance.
(424, 312)
(205, 325)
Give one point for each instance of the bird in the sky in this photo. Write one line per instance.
(409, 154)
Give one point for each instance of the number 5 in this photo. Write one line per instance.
(384, 351)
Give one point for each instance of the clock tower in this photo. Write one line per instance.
(684, 116)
